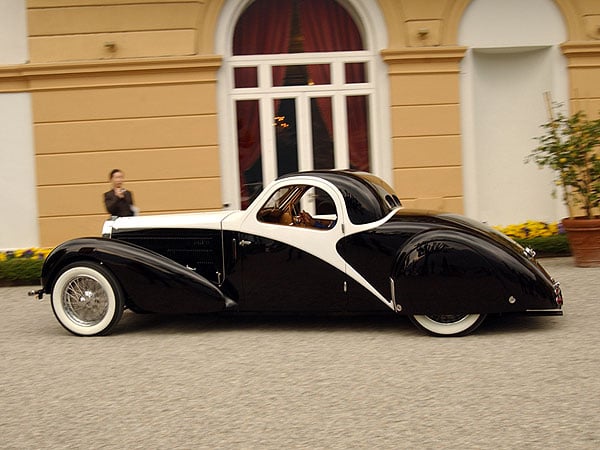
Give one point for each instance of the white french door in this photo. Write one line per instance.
(320, 122)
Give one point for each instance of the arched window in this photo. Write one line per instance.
(301, 87)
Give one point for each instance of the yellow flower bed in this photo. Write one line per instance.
(29, 253)
(23, 266)
(530, 229)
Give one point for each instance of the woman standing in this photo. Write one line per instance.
(119, 201)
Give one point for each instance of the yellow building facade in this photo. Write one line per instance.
(134, 84)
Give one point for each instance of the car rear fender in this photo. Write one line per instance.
(151, 282)
(450, 272)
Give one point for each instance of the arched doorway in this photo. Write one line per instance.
(294, 95)
(513, 59)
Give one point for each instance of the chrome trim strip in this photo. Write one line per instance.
(395, 306)
(544, 312)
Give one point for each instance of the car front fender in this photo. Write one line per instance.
(151, 282)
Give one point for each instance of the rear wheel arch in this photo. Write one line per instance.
(444, 272)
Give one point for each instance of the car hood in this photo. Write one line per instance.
(207, 220)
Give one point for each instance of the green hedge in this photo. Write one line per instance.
(20, 271)
(547, 246)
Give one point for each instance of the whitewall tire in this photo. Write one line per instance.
(448, 324)
(86, 299)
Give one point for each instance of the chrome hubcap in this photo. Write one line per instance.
(447, 318)
(85, 301)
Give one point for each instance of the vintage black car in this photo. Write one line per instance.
(320, 241)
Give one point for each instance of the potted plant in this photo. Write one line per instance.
(571, 147)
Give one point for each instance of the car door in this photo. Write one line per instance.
(292, 266)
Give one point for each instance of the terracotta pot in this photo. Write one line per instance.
(584, 239)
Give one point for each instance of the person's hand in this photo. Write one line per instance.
(306, 218)
(120, 192)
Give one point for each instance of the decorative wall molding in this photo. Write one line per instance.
(424, 59)
(582, 53)
(81, 74)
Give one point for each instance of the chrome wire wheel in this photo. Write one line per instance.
(448, 324)
(86, 299)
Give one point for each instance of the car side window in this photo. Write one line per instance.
(300, 206)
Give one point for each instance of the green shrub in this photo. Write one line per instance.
(19, 267)
(547, 239)
(21, 271)
(547, 246)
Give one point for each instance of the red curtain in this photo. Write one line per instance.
(340, 34)
(264, 28)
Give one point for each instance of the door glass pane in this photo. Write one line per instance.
(322, 133)
(245, 77)
(249, 150)
(286, 135)
(358, 131)
(355, 73)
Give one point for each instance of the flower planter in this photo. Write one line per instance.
(584, 240)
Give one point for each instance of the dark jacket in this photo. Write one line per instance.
(120, 207)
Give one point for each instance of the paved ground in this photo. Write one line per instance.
(195, 382)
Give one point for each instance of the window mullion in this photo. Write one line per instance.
(337, 74)
(232, 198)
(267, 133)
(340, 130)
(339, 119)
(303, 112)
(374, 138)
(265, 78)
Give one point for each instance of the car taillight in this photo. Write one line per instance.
(558, 294)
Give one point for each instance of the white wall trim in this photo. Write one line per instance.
(506, 28)
(18, 197)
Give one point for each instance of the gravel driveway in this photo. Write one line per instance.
(279, 382)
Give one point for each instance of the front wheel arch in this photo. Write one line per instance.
(448, 325)
(87, 299)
